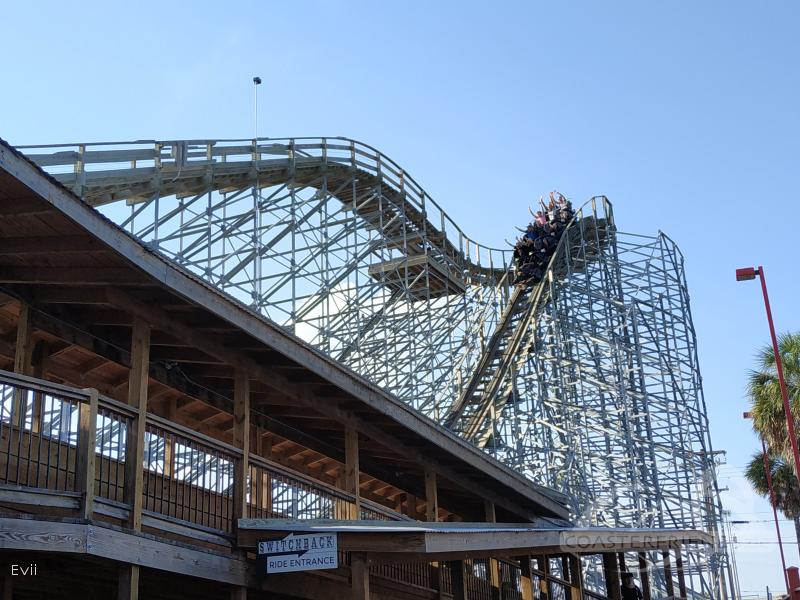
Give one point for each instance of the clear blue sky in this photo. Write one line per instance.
(685, 114)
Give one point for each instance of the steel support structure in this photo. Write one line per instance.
(587, 383)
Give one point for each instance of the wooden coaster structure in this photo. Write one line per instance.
(587, 384)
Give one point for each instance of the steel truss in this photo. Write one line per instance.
(587, 383)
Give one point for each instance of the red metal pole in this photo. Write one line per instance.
(787, 408)
(773, 502)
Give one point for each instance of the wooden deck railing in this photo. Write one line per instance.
(187, 476)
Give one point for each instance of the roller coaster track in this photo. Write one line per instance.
(353, 172)
(490, 385)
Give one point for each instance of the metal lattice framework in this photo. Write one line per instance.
(587, 383)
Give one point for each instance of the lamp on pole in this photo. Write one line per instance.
(256, 83)
(773, 502)
(745, 275)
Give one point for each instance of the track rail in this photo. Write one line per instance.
(490, 384)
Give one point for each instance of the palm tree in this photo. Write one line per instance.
(784, 484)
(763, 389)
(769, 421)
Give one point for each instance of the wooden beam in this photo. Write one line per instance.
(239, 593)
(644, 576)
(410, 505)
(494, 566)
(352, 469)
(40, 359)
(128, 582)
(23, 359)
(170, 413)
(241, 439)
(525, 582)
(489, 511)
(359, 576)
(73, 276)
(681, 574)
(457, 580)
(16, 246)
(125, 547)
(431, 496)
(575, 576)
(26, 206)
(611, 572)
(544, 567)
(85, 467)
(23, 355)
(87, 296)
(432, 514)
(6, 586)
(137, 397)
(668, 574)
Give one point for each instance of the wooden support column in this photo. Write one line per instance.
(41, 356)
(128, 582)
(411, 506)
(239, 593)
(644, 577)
(525, 582)
(623, 568)
(431, 496)
(432, 515)
(491, 516)
(611, 572)
(23, 353)
(352, 470)
(264, 447)
(359, 576)
(575, 577)
(85, 467)
(681, 574)
(23, 357)
(241, 439)
(494, 566)
(668, 575)
(170, 413)
(137, 397)
(457, 579)
(544, 584)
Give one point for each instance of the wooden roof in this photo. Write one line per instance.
(449, 541)
(85, 279)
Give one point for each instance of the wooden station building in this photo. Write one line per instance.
(153, 431)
